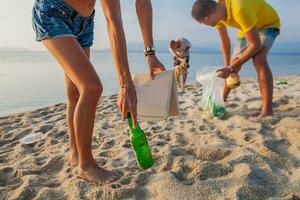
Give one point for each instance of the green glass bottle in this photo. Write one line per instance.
(140, 145)
(281, 83)
(216, 111)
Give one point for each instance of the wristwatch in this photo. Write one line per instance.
(150, 50)
(231, 69)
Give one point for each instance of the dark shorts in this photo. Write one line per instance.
(55, 18)
(178, 62)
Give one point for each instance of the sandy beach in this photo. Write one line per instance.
(196, 156)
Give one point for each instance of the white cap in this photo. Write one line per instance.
(184, 42)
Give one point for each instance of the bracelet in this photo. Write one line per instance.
(149, 51)
(231, 69)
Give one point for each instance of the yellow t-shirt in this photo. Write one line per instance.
(247, 14)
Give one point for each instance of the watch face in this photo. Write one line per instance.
(150, 48)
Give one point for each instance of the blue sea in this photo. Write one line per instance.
(30, 80)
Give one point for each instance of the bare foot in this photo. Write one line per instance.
(73, 159)
(98, 175)
(262, 115)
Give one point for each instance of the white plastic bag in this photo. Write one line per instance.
(212, 91)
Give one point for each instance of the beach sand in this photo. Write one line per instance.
(196, 157)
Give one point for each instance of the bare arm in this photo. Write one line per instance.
(225, 44)
(145, 15)
(112, 13)
(127, 95)
(254, 46)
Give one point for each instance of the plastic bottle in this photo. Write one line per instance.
(32, 138)
(140, 145)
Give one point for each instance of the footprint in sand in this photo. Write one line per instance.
(45, 128)
(141, 178)
(8, 177)
(50, 193)
(180, 139)
(210, 152)
(253, 99)
(54, 165)
(213, 170)
(108, 144)
(126, 180)
(23, 133)
(249, 137)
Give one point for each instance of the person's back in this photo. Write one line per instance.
(245, 14)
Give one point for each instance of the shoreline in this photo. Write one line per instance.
(33, 108)
(195, 156)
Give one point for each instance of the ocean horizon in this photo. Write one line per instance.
(32, 79)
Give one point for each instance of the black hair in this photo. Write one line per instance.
(203, 8)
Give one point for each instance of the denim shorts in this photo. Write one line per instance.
(267, 38)
(55, 19)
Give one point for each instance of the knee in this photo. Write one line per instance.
(92, 90)
(72, 94)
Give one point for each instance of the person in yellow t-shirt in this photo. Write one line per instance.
(259, 25)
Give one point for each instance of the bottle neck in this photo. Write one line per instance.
(130, 123)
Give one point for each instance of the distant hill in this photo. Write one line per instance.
(286, 48)
(162, 47)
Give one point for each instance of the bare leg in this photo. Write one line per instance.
(226, 89)
(265, 80)
(72, 96)
(184, 76)
(78, 68)
(177, 75)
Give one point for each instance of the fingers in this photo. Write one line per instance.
(134, 118)
(162, 67)
(127, 103)
(221, 75)
(151, 74)
(123, 111)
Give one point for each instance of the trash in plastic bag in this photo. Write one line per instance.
(212, 91)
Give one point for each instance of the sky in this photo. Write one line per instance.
(172, 19)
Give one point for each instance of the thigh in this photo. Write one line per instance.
(74, 60)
